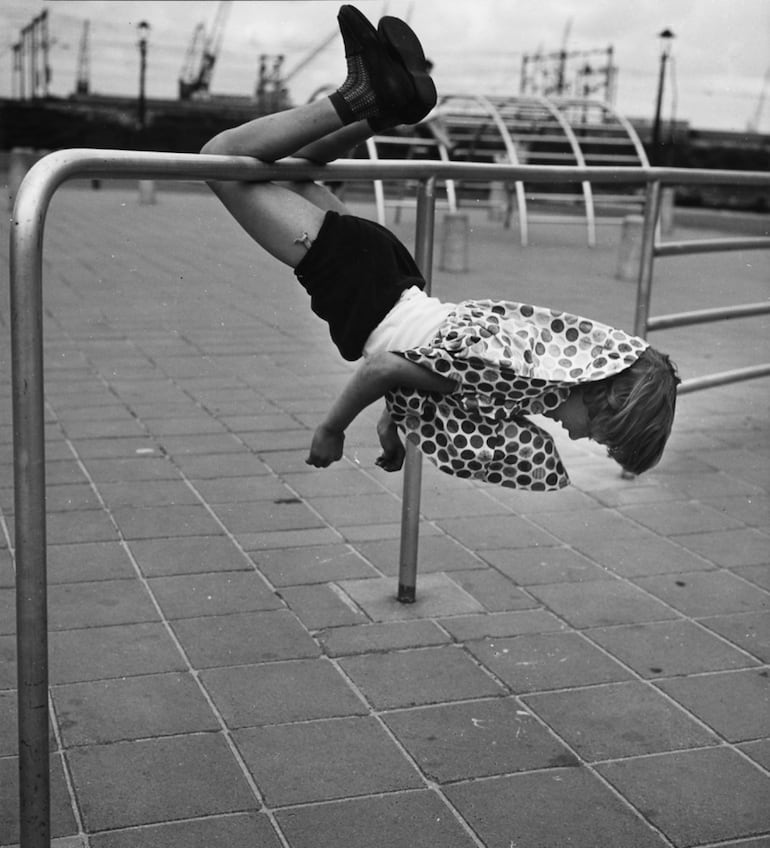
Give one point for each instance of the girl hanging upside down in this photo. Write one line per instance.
(459, 380)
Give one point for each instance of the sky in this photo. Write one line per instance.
(720, 55)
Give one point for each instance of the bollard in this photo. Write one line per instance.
(666, 211)
(21, 159)
(630, 249)
(146, 192)
(454, 243)
(498, 201)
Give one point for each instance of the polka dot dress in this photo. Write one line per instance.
(509, 360)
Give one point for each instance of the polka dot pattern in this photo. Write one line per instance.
(509, 360)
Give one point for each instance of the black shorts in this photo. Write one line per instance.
(355, 272)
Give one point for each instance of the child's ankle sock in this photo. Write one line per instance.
(354, 100)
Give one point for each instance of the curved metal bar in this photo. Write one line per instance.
(27, 228)
(574, 144)
(513, 157)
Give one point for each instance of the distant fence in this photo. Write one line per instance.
(26, 267)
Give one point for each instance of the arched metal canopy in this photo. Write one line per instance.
(527, 131)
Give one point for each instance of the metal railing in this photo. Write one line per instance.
(27, 228)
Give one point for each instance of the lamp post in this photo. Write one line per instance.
(666, 38)
(143, 28)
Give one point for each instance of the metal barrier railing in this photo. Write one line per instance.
(651, 248)
(26, 267)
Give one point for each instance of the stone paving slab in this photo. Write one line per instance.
(229, 663)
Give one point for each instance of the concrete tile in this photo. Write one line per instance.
(98, 604)
(312, 564)
(736, 704)
(156, 780)
(243, 638)
(750, 631)
(467, 627)
(324, 760)
(188, 444)
(194, 595)
(437, 595)
(333, 481)
(601, 603)
(242, 490)
(188, 555)
(730, 548)
(86, 525)
(757, 574)
(461, 741)
(8, 662)
(487, 806)
(62, 820)
(372, 638)
(239, 830)
(131, 708)
(281, 692)
(535, 662)
(632, 558)
(577, 526)
(618, 720)
(321, 606)
(342, 511)
(696, 797)
(418, 819)
(753, 509)
(159, 493)
(535, 566)
(161, 522)
(669, 648)
(491, 533)
(700, 594)
(216, 466)
(289, 538)
(759, 751)
(436, 553)
(103, 652)
(494, 591)
(267, 516)
(135, 469)
(690, 517)
(263, 441)
(425, 676)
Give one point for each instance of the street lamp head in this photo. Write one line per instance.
(143, 28)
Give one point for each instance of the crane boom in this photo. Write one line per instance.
(201, 56)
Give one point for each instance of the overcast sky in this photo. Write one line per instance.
(720, 56)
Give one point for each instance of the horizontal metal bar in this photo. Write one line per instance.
(66, 164)
(723, 377)
(681, 248)
(703, 316)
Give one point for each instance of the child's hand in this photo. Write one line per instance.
(326, 447)
(392, 456)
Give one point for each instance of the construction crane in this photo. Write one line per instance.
(83, 80)
(195, 77)
(752, 125)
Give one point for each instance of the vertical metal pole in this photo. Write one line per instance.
(410, 505)
(30, 519)
(644, 285)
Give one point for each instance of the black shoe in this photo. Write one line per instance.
(388, 79)
(404, 45)
(357, 32)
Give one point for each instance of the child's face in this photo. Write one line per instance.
(573, 416)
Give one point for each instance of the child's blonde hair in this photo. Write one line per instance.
(633, 411)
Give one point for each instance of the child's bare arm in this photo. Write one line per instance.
(369, 383)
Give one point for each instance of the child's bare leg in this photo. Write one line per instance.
(387, 83)
(280, 220)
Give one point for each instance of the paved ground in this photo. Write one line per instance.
(229, 666)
